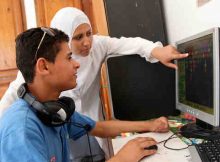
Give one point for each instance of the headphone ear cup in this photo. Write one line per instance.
(69, 107)
(56, 114)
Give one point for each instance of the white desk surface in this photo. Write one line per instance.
(163, 154)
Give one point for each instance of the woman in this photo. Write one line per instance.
(90, 51)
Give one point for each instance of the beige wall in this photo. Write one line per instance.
(185, 18)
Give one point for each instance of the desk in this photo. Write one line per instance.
(163, 154)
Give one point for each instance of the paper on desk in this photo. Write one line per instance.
(163, 154)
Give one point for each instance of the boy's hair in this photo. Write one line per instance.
(31, 45)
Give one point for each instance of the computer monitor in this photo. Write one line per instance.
(139, 90)
(197, 77)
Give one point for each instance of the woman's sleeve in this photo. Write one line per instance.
(11, 94)
(127, 46)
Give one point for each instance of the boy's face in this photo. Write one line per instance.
(63, 72)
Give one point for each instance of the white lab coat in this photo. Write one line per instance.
(86, 93)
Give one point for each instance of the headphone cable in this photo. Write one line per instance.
(174, 135)
(86, 128)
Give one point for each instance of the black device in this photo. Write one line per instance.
(207, 151)
(193, 130)
(197, 92)
(51, 113)
(139, 18)
(140, 90)
(197, 83)
(152, 147)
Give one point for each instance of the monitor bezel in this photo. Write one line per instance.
(109, 84)
(208, 118)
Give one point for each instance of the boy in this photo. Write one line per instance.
(37, 126)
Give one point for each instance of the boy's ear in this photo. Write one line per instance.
(42, 66)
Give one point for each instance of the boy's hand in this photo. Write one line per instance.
(134, 150)
(159, 125)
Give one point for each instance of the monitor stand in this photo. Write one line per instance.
(200, 129)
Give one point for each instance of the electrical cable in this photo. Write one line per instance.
(86, 128)
(171, 137)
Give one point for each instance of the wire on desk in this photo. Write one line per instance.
(169, 138)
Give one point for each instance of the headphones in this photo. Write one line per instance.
(51, 113)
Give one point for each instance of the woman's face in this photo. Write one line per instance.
(82, 40)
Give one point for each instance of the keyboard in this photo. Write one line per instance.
(208, 151)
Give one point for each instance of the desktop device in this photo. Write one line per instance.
(139, 90)
(197, 92)
(197, 77)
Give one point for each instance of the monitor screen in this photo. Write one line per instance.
(197, 78)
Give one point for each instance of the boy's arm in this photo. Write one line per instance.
(115, 127)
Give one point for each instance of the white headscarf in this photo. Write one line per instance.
(68, 19)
